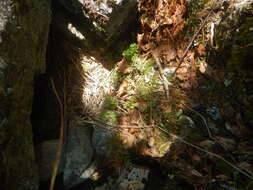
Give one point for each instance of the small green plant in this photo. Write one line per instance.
(117, 78)
(144, 66)
(109, 116)
(130, 104)
(148, 84)
(110, 103)
(148, 79)
(131, 53)
(144, 88)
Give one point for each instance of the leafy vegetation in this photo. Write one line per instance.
(109, 116)
(130, 104)
(110, 103)
(208, 92)
(131, 53)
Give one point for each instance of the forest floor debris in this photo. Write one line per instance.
(185, 94)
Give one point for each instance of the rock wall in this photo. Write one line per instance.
(109, 18)
(83, 25)
(24, 26)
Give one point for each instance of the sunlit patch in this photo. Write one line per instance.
(164, 148)
(74, 31)
(98, 83)
(95, 176)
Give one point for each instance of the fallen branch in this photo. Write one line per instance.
(206, 151)
(60, 144)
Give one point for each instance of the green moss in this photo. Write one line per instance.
(110, 103)
(109, 116)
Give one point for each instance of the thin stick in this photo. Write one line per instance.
(202, 117)
(164, 79)
(113, 127)
(206, 151)
(206, 125)
(135, 127)
(192, 40)
(59, 146)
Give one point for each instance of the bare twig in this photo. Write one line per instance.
(163, 77)
(102, 124)
(202, 117)
(206, 125)
(103, 15)
(59, 146)
(206, 151)
(193, 38)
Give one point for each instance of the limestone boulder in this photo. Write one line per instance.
(79, 153)
(46, 154)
